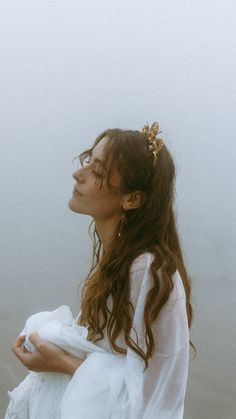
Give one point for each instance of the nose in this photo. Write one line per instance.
(78, 175)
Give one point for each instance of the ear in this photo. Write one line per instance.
(133, 200)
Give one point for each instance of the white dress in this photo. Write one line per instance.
(112, 386)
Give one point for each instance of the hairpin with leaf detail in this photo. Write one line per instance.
(155, 143)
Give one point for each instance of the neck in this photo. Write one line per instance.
(106, 230)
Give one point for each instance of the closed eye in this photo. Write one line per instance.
(86, 160)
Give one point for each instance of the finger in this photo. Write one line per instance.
(21, 352)
(20, 339)
(18, 342)
(21, 355)
(26, 350)
(36, 340)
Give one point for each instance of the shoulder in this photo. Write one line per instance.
(140, 272)
(141, 279)
(142, 262)
(178, 291)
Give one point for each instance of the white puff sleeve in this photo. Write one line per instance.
(159, 391)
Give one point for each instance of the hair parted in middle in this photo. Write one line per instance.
(149, 228)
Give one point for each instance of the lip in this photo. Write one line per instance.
(77, 192)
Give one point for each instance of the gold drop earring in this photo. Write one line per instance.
(123, 221)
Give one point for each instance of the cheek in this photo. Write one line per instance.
(106, 201)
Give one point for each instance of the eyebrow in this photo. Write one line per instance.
(101, 163)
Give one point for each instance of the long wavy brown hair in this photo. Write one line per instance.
(149, 228)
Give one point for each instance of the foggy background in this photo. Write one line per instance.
(70, 69)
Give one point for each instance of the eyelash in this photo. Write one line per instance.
(87, 160)
(96, 174)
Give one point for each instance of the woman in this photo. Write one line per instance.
(136, 297)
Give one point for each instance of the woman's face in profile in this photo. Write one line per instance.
(88, 195)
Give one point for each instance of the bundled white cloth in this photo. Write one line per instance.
(108, 385)
(95, 388)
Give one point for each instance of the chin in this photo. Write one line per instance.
(72, 205)
(75, 207)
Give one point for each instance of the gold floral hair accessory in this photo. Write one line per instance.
(155, 143)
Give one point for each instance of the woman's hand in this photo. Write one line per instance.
(47, 357)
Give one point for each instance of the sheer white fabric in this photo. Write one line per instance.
(165, 380)
(108, 385)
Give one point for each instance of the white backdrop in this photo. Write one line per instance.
(70, 69)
